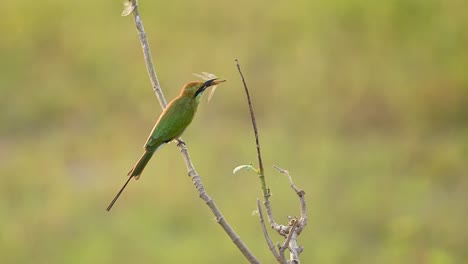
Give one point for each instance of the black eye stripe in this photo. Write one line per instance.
(201, 89)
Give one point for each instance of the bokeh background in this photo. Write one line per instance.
(365, 103)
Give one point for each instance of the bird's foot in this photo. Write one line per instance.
(180, 142)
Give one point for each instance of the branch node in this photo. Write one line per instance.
(192, 173)
(300, 249)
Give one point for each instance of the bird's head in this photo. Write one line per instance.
(195, 89)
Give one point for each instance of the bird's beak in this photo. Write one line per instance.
(213, 82)
(216, 81)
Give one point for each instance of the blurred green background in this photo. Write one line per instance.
(365, 103)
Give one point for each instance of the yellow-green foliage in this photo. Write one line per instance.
(364, 102)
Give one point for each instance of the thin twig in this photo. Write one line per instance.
(147, 54)
(291, 243)
(298, 225)
(292, 229)
(281, 253)
(287, 231)
(183, 149)
(265, 233)
(266, 191)
(301, 195)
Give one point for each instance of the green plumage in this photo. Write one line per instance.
(172, 122)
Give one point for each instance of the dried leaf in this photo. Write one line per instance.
(199, 76)
(208, 76)
(128, 7)
(213, 89)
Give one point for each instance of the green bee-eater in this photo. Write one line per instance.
(170, 125)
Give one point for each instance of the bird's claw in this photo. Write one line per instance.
(180, 142)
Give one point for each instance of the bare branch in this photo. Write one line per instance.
(147, 54)
(281, 253)
(291, 230)
(191, 169)
(197, 182)
(266, 191)
(289, 240)
(298, 225)
(295, 226)
(267, 236)
(294, 249)
(301, 195)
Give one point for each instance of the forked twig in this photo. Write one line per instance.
(295, 226)
(299, 224)
(301, 195)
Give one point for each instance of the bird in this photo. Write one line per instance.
(171, 124)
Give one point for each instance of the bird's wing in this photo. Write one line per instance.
(171, 124)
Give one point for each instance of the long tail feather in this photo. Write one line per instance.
(135, 172)
(140, 165)
(118, 194)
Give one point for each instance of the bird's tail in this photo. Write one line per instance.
(140, 165)
(135, 172)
